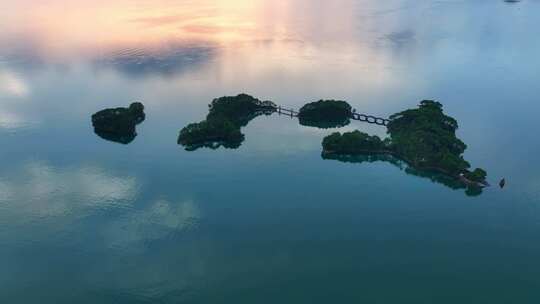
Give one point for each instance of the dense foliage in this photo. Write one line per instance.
(222, 125)
(478, 175)
(427, 138)
(239, 110)
(118, 124)
(355, 142)
(424, 137)
(208, 132)
(325, 114)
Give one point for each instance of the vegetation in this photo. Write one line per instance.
(354, 142)
(118, 124)
(222, 125)
(427, 138)
(478, 175)
(209, 132)
(424, 137)
(239, 110)
(325, 114)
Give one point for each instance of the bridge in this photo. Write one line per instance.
(355, 116)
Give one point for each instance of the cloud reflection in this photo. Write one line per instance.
(154, 222)
(41, 192)
(45, 197)
(12, 84)
(167, 61)
(402, 38)
(11, 121)
(141, 38)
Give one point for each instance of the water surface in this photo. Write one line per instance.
(84, 220)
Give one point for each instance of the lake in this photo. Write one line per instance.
(86, 220)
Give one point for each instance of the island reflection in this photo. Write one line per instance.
(435, 177)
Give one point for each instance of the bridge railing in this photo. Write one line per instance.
(370, 119)
(289, 112)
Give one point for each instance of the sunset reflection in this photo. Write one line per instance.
(56, 28)
(237, 46)
(78, 24)
(87, 218)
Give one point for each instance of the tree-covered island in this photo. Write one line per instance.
(226, 116)
(325, 114)
(425, 138)
(118, 124)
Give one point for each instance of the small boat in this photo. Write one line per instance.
(502, 183)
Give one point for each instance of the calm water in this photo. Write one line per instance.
(84, 220)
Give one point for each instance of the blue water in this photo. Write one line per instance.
(84, 220)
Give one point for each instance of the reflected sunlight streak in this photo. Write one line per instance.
(271, 32)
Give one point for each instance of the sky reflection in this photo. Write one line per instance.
(12, 84)
(165, 61)
(41, 196)
(38, 192)
(149, 222)
(138, 37)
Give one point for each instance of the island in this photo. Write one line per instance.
(119, 124)
(424, 138)
(325, 114)
(226, 116)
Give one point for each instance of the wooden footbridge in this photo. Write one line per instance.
(355, 116)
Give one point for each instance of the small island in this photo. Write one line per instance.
(425, 138)
(325, 114)
(119, 124)
(226, 116)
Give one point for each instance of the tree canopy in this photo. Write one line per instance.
(325, 114)
(355, 142)
(118, 124)
(426, 137)
(226, 116)
(423, 137)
